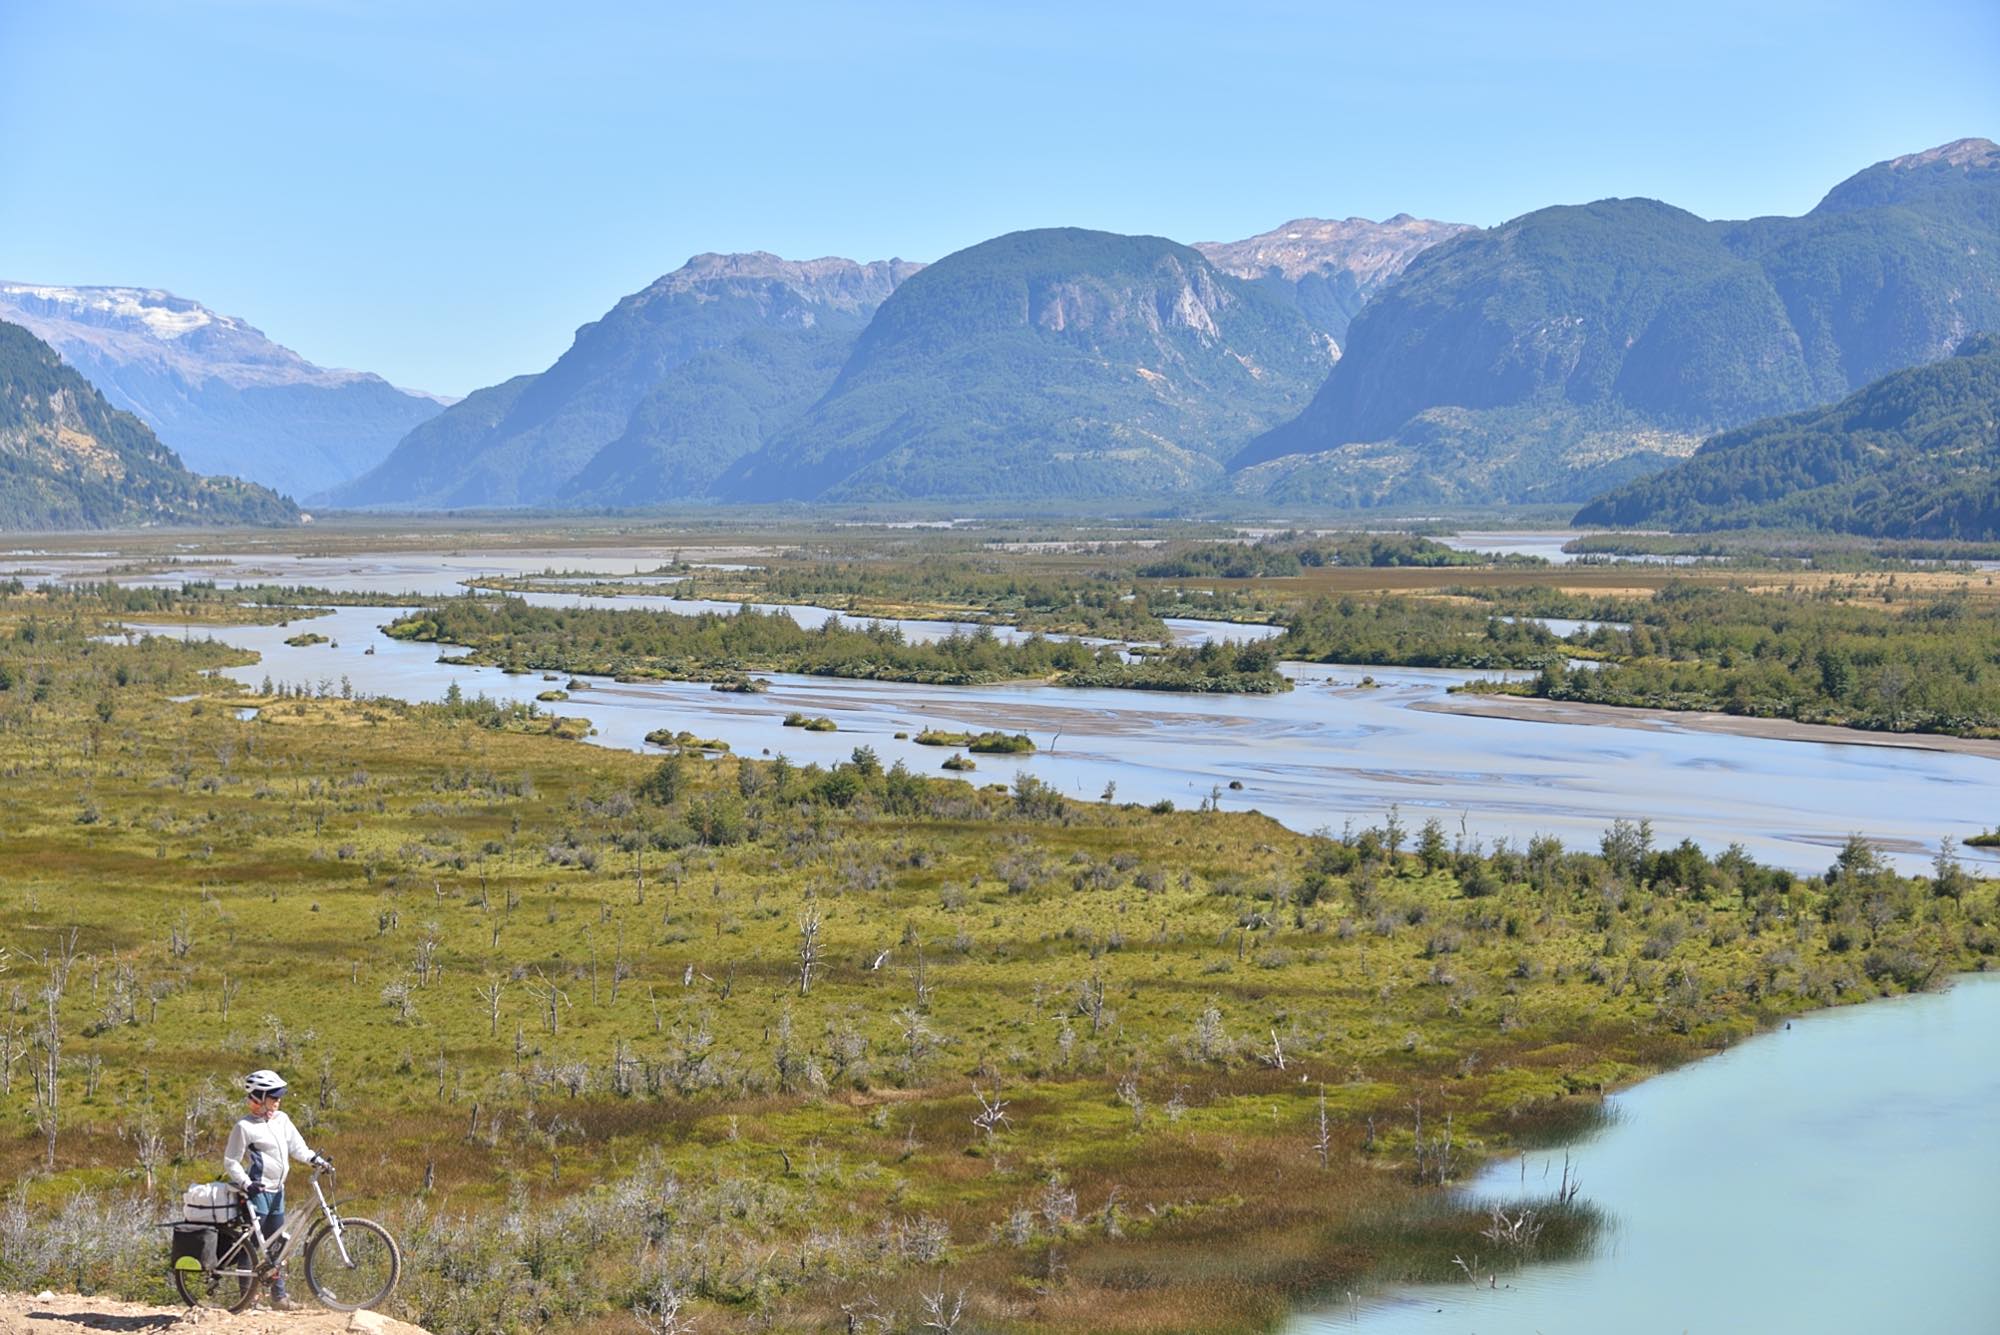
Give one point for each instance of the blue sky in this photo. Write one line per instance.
(441, 192)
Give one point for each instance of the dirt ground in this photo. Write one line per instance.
(68, 1314)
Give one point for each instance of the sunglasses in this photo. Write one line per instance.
(269, 1098)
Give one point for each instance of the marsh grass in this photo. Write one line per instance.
(1556, 1122)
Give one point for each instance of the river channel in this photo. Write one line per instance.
(1343, 746)
(1834, 1175)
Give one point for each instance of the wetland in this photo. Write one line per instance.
(1209, 1008)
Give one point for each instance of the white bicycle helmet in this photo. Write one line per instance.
(263, 1082)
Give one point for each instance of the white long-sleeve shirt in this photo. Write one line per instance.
(258, 1147)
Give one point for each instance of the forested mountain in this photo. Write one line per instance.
(520, 443)
(224, 397)
(1547, 356)
(1045, 364)
(68, 459)
(1914, 455)
(708, 413)
(1329, 269)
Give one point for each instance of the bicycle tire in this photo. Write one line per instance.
(374, 1264)
(225, 1293)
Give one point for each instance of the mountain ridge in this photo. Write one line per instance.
(1623, 319)
(69, 460)
(555, 421)
(218, 390)
(1915, 454)
(1064, 360)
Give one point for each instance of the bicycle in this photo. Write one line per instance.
(351, 1263)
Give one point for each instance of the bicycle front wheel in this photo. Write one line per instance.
(364, 1277)
(205, 1288)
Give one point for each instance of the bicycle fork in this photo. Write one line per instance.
(333, 1226)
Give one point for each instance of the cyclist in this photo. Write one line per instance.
(255, 1159)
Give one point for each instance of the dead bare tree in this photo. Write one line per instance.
(659, 1313)
(48, 1071)
(941, 1313)
(1129, 1095)
(866, 1313)
(149, 1145)
(1436, 1160)
(398, 997)
(490, 992)
(991, 1112)
(1090, 1001)
(551, 1000)
(425, 963)
(1566, 1193)
(1323, 1142)
(809, 949)
(1520, 1231)
(13, 1047)
(199, 1108)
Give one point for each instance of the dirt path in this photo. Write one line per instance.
(67, 1314)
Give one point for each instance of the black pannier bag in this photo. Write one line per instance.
(194, 1246)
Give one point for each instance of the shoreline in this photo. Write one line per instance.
(1487, 1182)
(1533, 709)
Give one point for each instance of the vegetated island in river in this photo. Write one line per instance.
(1865, 655)
(642, 645)
(940, 587)
(981, 743)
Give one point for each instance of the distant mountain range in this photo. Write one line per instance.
(1345, 363)
(1546, 357)
(521, 443)
(1054, 363)
(69, 460)
(226, 398)
(1916, 454)
(1064, 362)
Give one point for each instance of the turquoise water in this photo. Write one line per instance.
(1838, 1175)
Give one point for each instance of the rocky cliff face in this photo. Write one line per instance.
(1329, 268)
(831, 283)
(217, 391)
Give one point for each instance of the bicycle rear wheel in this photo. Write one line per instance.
(205, 1288)
(365, 1278)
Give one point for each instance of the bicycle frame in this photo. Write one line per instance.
(250, 1239)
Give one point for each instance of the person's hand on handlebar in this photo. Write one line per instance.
(324, 1164)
